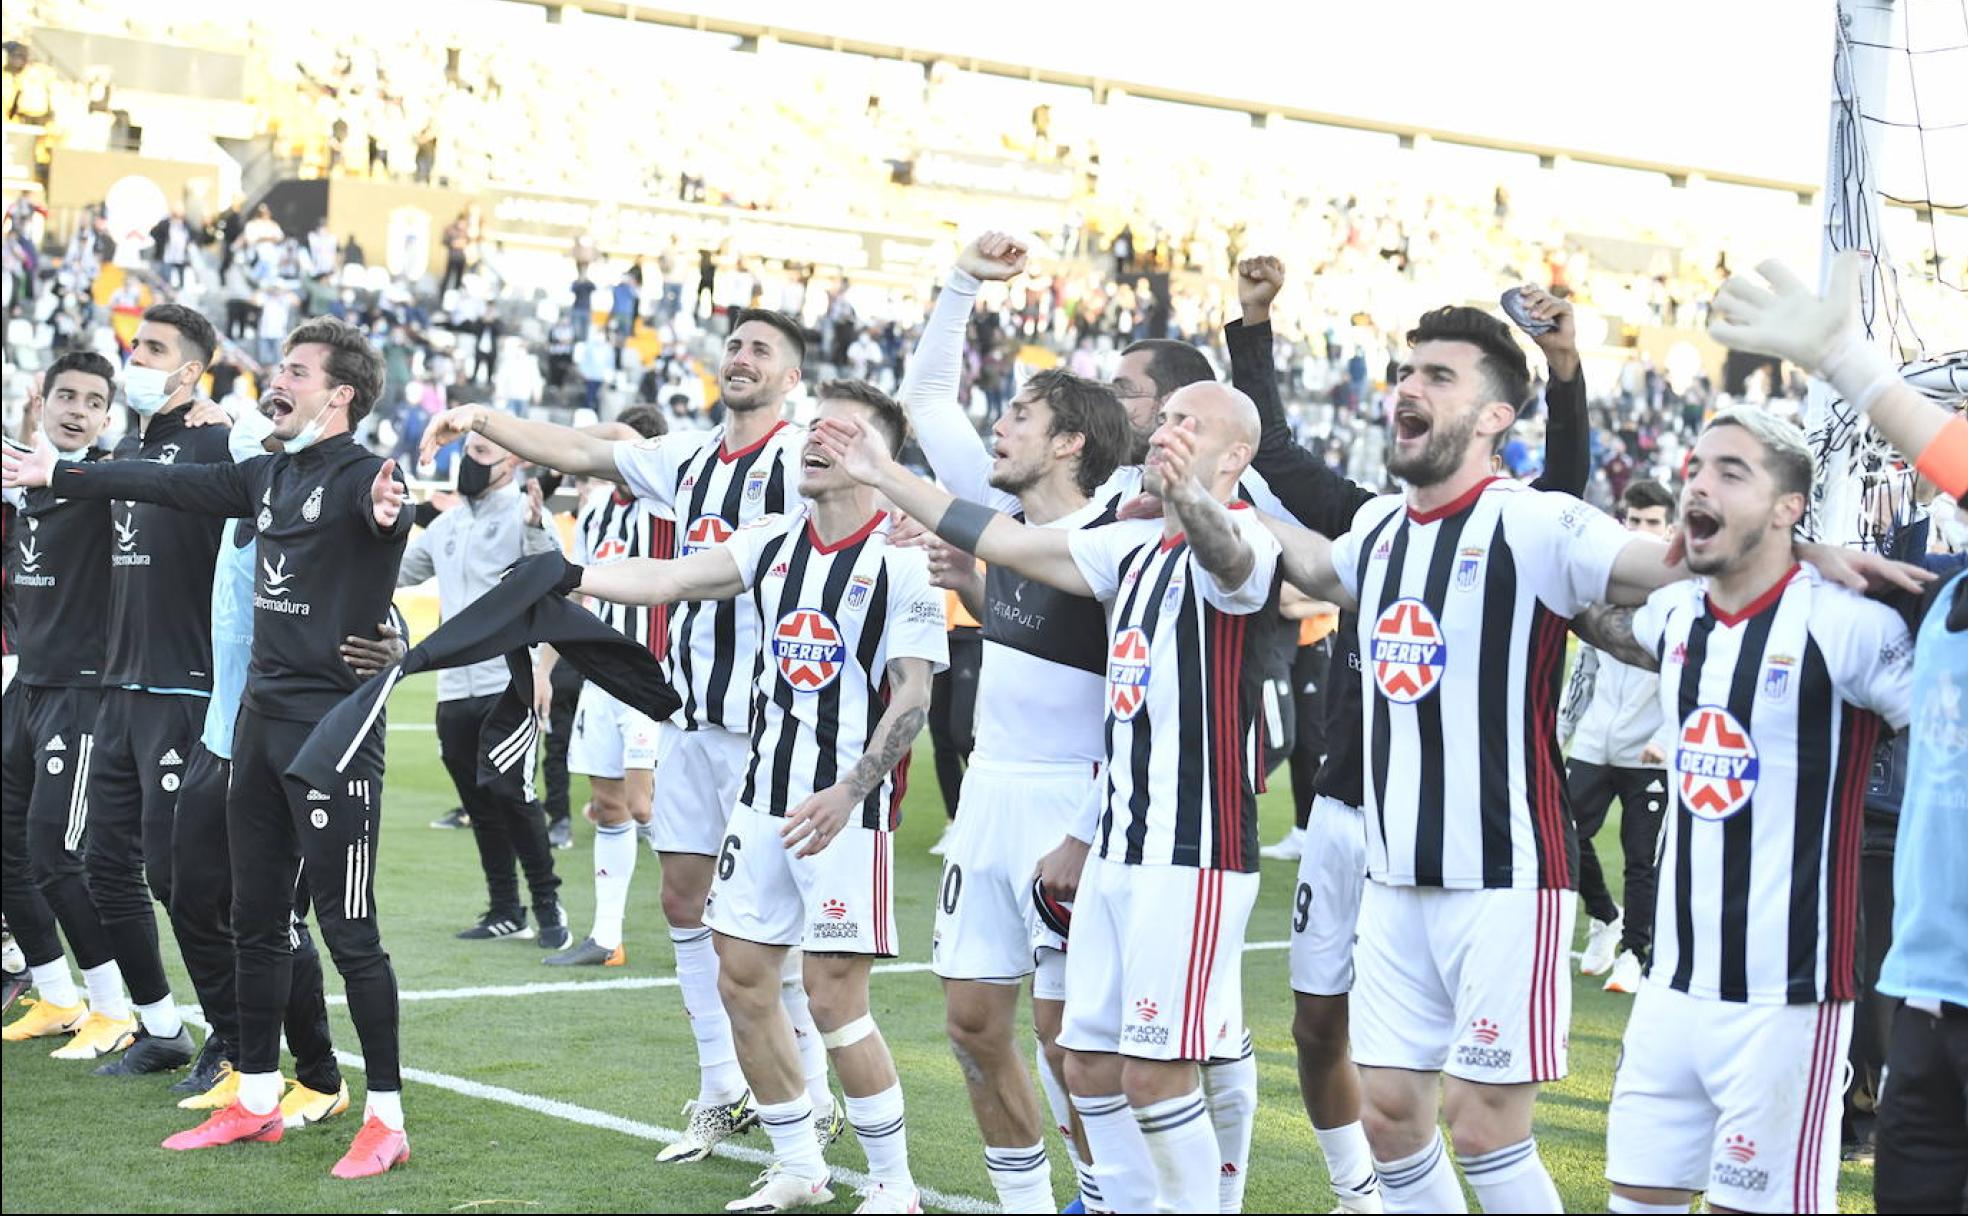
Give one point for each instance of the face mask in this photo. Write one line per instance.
(249, 434)
(473, 477)
(77, 454)
(309, 433)
(143, 388)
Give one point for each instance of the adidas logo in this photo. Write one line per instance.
(171, 757)
(56, 745)
(316, 796)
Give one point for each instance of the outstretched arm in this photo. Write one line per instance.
(1825, 336)
(1305, 559)
(1610, 628)
(710, 575)
(1045, 554)
(219, 488)
(565, 448)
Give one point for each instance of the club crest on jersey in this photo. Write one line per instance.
(808, 648)
(311, 509)
(1469, 567)
(755, 484)
(265, 518)
(1407, 652)
(857, 592)
(1716, 760)
(1127, 674)
(1172, 598)
(1776, 677)
(168, 454)
(705, 532)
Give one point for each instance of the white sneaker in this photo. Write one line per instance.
(884, 1198)
(779, 1191)
(1626, 974)
(1291, 848)
(1601, 940)
(942, 842)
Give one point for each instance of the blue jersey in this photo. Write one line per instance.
(1929, 958)
(232, 634)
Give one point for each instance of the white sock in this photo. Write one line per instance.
(1424, 1182)
(54, 983)
(1512, 1179)
(813, 1051)
(790, 1125)
(259, 1092)
(1021, 1177)
(1182, 1145)
(877, 1122)
(719, 1080)
(387, 1105)
(105, 984)
(1062, 1118)
(615, 862)
(1349, 1162)
(1230, 1091)
(161, 1018)
(1121, 1163)
(1620, 1203)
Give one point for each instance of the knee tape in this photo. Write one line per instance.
(850, 1034)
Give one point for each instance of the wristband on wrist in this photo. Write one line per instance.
(964, 523)
(1859, 370)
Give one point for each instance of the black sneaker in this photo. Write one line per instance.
(206, 1070)
(554, 933)
(453, 818)
(17, 982)
(497, 924)
(560, 834)
(151, 1054)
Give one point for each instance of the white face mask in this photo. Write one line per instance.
(310, 433)
(249, 435)
(77, 454)
(144, 388)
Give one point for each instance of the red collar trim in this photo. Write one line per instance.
(1755, 606)
(860, 534)
(727, 456)
(1170, 542)
(1450, 508)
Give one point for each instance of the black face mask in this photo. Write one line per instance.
(473, 477)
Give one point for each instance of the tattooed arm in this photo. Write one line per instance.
(812, 825)
(1610, 628)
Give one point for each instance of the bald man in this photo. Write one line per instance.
(1154, 986)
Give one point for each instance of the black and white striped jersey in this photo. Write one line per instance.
(712, 492)
(617, 526)
(1775, 711)
(1461, 634)
(834, 616)
(1183, 694)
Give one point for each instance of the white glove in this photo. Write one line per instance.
(1822, 336)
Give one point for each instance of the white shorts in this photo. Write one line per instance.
(1476, 984)
(1741, 1101)
(838, 901)
(1326, 903)
(1009, 817)
(697, 783)
(610, 738)
(1156, 968)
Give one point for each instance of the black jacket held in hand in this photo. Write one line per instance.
(525, 608)
(326, 570)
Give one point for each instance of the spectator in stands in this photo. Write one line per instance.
(457, 239)
(170, 244)
(582, 313)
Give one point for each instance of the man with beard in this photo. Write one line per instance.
(714, 482)
(1464, 586)
(331, 529)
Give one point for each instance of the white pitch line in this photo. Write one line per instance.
(553, 1108)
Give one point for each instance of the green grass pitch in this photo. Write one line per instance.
(624, 1059)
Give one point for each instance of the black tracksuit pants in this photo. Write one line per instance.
(1642, 793)
(953, 713)
(142, 742)
(1922, 1163)
(44, 815)
(511, 834)
(280, 828)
